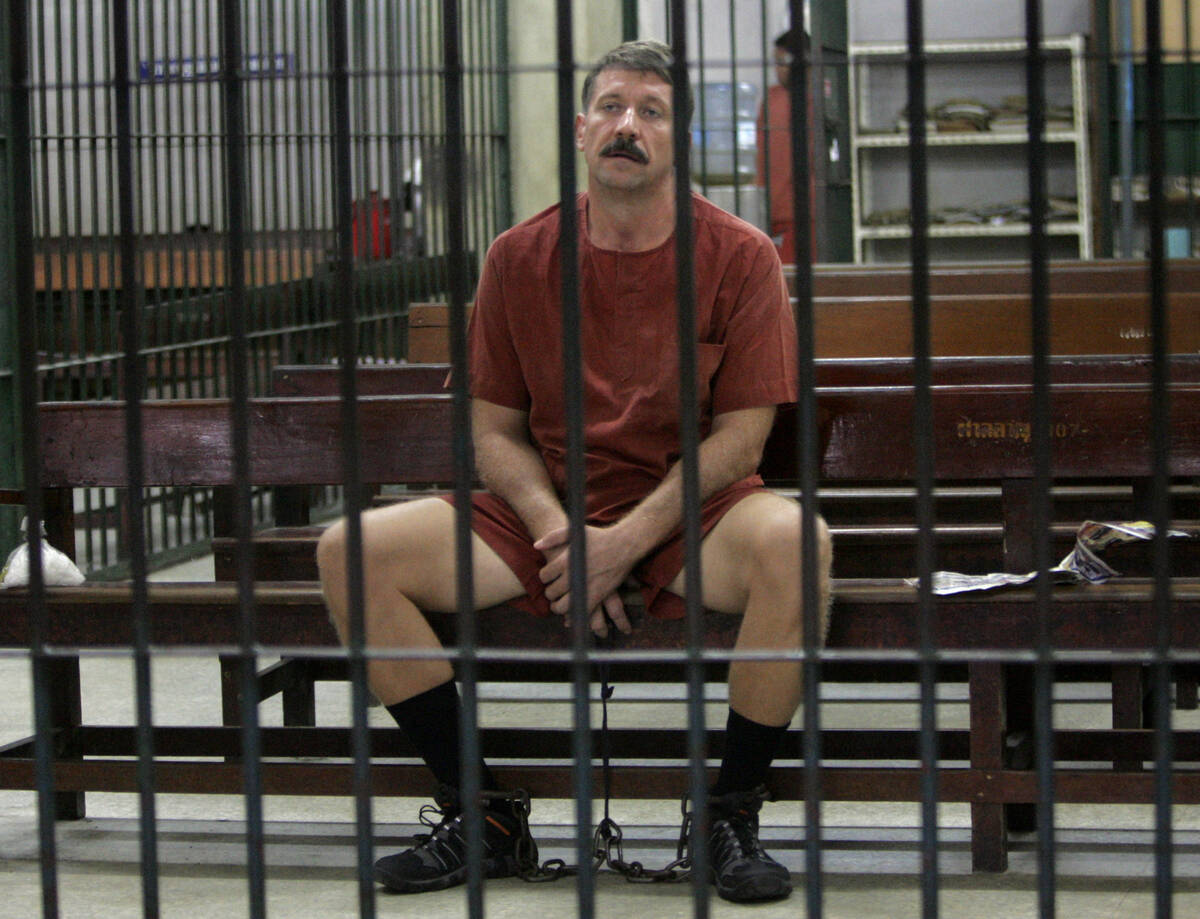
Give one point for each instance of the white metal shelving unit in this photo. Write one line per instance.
(981, 159)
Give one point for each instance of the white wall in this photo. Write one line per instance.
(884, 20)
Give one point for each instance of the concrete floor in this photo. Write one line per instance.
(870, 854)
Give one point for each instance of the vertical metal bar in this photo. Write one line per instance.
(809, 462)
(702, 102)
(361, 127)
(1035, 90)
(572, 351)
(432, 128)
(73, 203)
(310, 200)
(190, 162)
(21, 163)
(763, 179)
(55, 261)
(259, 174)
(1164, 748)
(734, 123)
(339, 116)
(1125, 125)
(1190, 130)
(145, 25)
(467, 632)
(471, 126)
(413, 142)
(106, 303)
(10, 428)
(233, 111)
(685, 298)
(93, 103)
(131, 306)
(275, 139)
(629, 20)
(504, 208)
(392, 89)
(923, 452)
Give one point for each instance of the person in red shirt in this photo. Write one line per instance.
(774, 157)
(746, 350)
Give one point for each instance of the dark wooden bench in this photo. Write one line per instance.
(294, 442)
(982, 324)
(1069, 276)
(873, 525)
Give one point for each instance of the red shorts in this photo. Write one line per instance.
(496, 524)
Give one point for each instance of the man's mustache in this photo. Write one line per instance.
(625, 146)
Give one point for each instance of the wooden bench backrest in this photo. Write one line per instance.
(1000, 324)
(1099, 275)
(419, 379)
(980, 433)
(974, 324)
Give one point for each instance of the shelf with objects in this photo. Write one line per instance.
(1180, 191)
(977, 150)
(1124, 104)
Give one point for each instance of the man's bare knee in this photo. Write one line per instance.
(331, 552)
(778, 565)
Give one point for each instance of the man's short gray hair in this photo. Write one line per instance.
(642, 56)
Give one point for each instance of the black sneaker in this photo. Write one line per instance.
(439, 859)
(742, 871)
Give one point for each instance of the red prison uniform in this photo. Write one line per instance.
(774, 158)
(746, 357)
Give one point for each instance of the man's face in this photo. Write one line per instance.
(625, 134)
(783, 66)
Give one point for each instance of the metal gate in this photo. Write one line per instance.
(177, 136)
(237, 191)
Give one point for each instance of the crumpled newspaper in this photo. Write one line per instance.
(57, 568)
(1081, 564)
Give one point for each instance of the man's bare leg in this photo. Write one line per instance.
(751, 564)
(408, 565)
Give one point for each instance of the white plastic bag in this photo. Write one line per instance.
(57, 569)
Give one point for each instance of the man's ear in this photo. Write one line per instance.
(579, 119)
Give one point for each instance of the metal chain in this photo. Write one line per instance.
(607, 851)
(607, 848)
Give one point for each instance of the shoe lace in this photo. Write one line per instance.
(446, 840)
(736, 838)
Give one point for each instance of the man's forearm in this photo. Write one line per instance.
(729, 454)
(515, 472)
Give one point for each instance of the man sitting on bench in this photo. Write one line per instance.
(751, 550)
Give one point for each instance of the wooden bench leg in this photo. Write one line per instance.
(1128, 699)
(293, 678)
(1019, 711)
(66, 714)
(989, 833)
(1187, 688)
(231, 690)
(299, 696)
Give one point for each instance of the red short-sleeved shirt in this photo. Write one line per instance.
(774, 133)
(746, 353)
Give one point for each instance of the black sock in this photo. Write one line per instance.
(430, 721)
(749, 749)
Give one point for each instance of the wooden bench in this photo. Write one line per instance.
(983, 324)
(873, 525)
(295, 442)
(972, 278)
